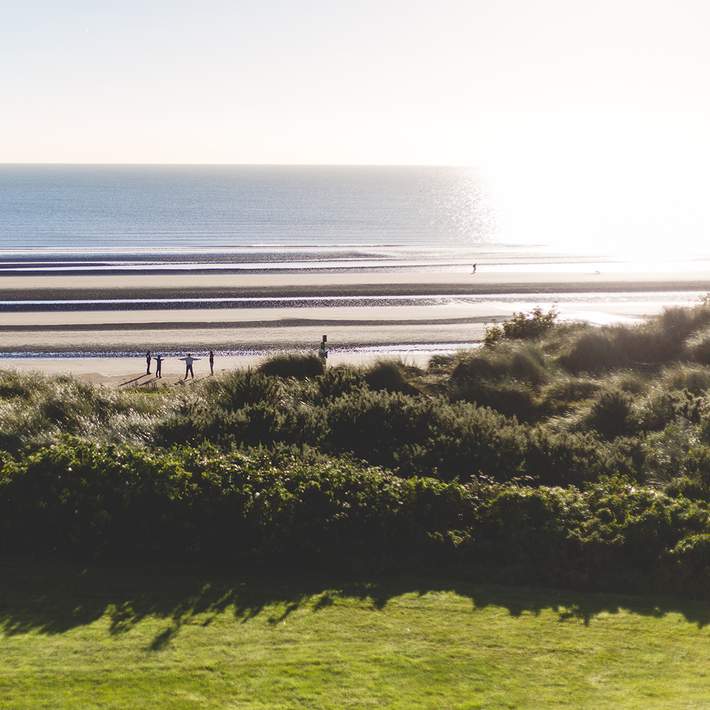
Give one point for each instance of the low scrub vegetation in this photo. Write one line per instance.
(561, 454)
(290, 365)
(86, 501)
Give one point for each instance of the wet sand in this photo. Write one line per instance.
(536, 280)
(460, 308)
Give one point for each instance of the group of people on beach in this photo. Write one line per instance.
(189, 359)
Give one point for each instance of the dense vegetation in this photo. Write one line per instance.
(558, 454)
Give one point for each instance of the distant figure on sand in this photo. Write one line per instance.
(323, 350)
(211, 362)
(158, 366)
(188, 359)
(475, 266)
(147, 363)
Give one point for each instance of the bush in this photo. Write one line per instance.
(658, 342)
(414, 435)
(567, 458)
(700, 351)
(593, 352)
(668, 452)
(337, 381)
(612, 414)
(526, 364)
(285, 508)
(388, 375)
(687, 488)
(662, 407)
(522, 326)
(512, 398)
(237, 389)
(559, 395)
(440, 363)
(684, 377)
(290, 365)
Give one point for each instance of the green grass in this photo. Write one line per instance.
(128, 639)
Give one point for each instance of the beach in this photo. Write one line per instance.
(98, 327)
(100, 264)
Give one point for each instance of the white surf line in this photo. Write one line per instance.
(632, 296)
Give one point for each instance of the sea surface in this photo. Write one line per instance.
(127, 219)
(117, 220)
(251, 216)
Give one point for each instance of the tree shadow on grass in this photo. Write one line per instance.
(52, 599)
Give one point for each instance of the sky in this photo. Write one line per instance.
(323, 81)
(560, 103)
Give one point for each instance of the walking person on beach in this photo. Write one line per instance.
(188, 360)
(158, 366)
(211, 362)
(147, 363)
(475, 266)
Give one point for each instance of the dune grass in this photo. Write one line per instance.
(124, 639)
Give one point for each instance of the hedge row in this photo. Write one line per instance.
(192, 505)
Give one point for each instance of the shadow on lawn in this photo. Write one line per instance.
(54, 599)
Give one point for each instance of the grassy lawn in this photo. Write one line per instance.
(129, 639)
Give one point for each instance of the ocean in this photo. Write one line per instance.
(254, 216)
(126, 219)
(378, 257)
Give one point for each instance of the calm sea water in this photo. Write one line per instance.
(256, 218)
(128, 208)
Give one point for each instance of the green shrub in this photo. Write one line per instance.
(572, 458)
(684, 377)
(14, 384)
(291, 365)
(239, 388)
(663, 406)
(522, 326)
(337, 381)
(612, 414)
(512, 398)
(562, 393)
(388, 375)
(526, 364)
(700, 351)
(440, 363)
(621, 346)
(668, 452)
(304, 510)
(687, 488)
(416, 435)
(657, 342)
(593, 352)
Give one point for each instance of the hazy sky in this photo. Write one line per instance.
(385, 81)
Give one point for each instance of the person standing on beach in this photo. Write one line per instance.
(211, 362)
(188, 359)
(147, 363)
(323, 350)
(158, 366)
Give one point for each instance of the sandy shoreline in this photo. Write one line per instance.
(361, 330)
(13, 288)
(281, 329)
(129, 372)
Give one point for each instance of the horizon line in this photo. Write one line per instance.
(265, 165)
